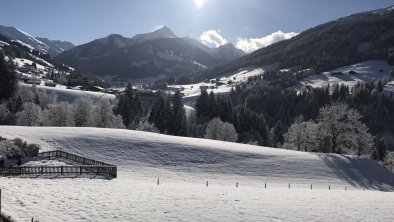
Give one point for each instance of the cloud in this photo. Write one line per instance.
(250, 45)
(212, 38)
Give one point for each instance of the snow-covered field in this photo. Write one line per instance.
(368, 71)
(192, 91)
(183, 166)
(70, 95)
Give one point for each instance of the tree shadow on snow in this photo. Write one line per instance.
(360, 172)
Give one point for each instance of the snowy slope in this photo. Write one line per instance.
(70, 95)
(368, 71)
(23, 37)
(52, 47)
(192, 91)
(183, 166)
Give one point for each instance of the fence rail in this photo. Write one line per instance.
(88, 166)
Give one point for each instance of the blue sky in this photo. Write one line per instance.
(81, 21)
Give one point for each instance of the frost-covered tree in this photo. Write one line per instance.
(59, 114)
(31, 115)
(9, 149)
(82, 112)
(146, 126)
(104, 116)
(219, 130)
(302, 134)
(341, 130)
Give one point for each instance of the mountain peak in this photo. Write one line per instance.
(164, 29)
(161, 33)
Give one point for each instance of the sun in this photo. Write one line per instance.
(199, 3)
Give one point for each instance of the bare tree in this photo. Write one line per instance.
(219, 130)
(302, 134)
(31, 115)
(104, 116)
(341, 129)
(82, 112)
(59, 114)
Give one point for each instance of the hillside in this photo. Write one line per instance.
(345, 41)
(43, 45)
(364, 72)
(154, 54)
(183, 166)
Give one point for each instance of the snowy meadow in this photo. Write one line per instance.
(183, 167)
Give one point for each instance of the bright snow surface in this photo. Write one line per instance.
(183, 166)
(367, 72)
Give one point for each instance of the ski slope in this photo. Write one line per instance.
(184, 165)
(367, 72)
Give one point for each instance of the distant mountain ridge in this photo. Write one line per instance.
(158, 53)
(348, 40)
(44, 45)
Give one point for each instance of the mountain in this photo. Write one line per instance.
(348, 40)
(158, 53)
(52, 47)
(56, 46)
(226, 52)
(23, 37)
(161, 33)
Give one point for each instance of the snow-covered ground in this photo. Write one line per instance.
(70, 95)
(192, 91)
(183, 166)
(389, 88)
(368, 71)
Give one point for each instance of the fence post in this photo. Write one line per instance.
(80, 170)
(61, 170)
(98, 170)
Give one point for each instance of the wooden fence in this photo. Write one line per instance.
(88, 166)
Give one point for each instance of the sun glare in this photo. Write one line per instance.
(199, 3)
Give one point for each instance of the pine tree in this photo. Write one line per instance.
(277, 134)
(179, 116)
(202, 106)
(129, 107)
(8, 78)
